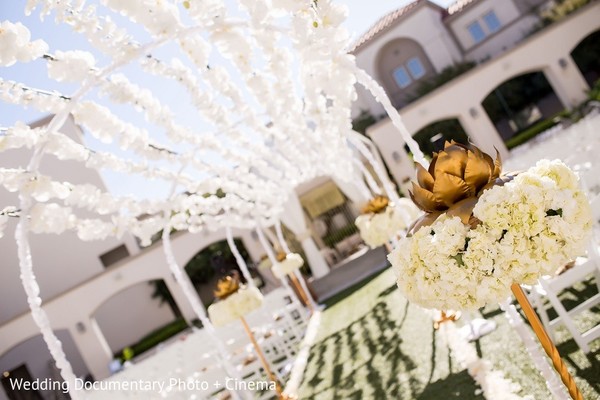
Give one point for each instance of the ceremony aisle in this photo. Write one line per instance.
(372, 343)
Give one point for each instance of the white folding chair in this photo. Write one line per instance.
(550, 288)
(545, 293)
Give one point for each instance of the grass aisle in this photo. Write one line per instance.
(373, 344)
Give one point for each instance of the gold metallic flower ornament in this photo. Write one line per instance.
(227, 286)
(376, 205)
(456, 177)
(280, 256)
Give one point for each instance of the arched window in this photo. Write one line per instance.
(402, 66)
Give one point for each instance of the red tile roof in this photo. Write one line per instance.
(458, 6)
(389, 20)
(383, 24)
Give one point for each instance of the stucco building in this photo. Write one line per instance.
(498, 40)
(97, 293)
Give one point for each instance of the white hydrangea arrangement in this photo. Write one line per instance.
(287, 266)
(517, 232)
(237, 305)
(379, 222)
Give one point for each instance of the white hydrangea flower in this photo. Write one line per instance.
(239, 304)
(15, 44)
(377, 229)
(529, 227)
(556, 170)
(291, 263)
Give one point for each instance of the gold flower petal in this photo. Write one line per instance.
(227, 286)
(499, 181)
(490, 162)
(424, 220)
(497, 165)
(424, 177)
(448, 189)
(463, 209)
(477, 172)
(432, 164)
(376, 205)
(424, 199)
(281, 256)
(452, 160)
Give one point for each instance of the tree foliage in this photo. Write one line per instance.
(363, 121)
(587, 57)
(449, 129)
(516, 94)
(213, 259)
(216, 258)
(161, 292)
(561, 9)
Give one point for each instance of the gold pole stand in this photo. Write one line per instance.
(263, 360)
(546, 342)
(300, 290)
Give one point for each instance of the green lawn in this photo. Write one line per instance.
(373, 344)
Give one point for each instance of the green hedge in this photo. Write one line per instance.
(535, 130)
(154, 338)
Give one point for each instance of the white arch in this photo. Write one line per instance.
(374, 66)
(79, 303)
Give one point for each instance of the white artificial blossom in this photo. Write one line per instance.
(284, 245)
(274, 86)
(15, 44)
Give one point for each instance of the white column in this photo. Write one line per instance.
(293, 218)
(567, 81)
(482, 132)
(297, 273)
(315, 259)
(93, 347)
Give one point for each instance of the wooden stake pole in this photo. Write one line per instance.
(263, 360)
(300, 290)
(549, 347)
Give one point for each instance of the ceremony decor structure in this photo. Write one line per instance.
(484, 234)
(268, 90)
(381, 220)
(234, 302)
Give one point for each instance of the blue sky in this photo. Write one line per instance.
(362, 15)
